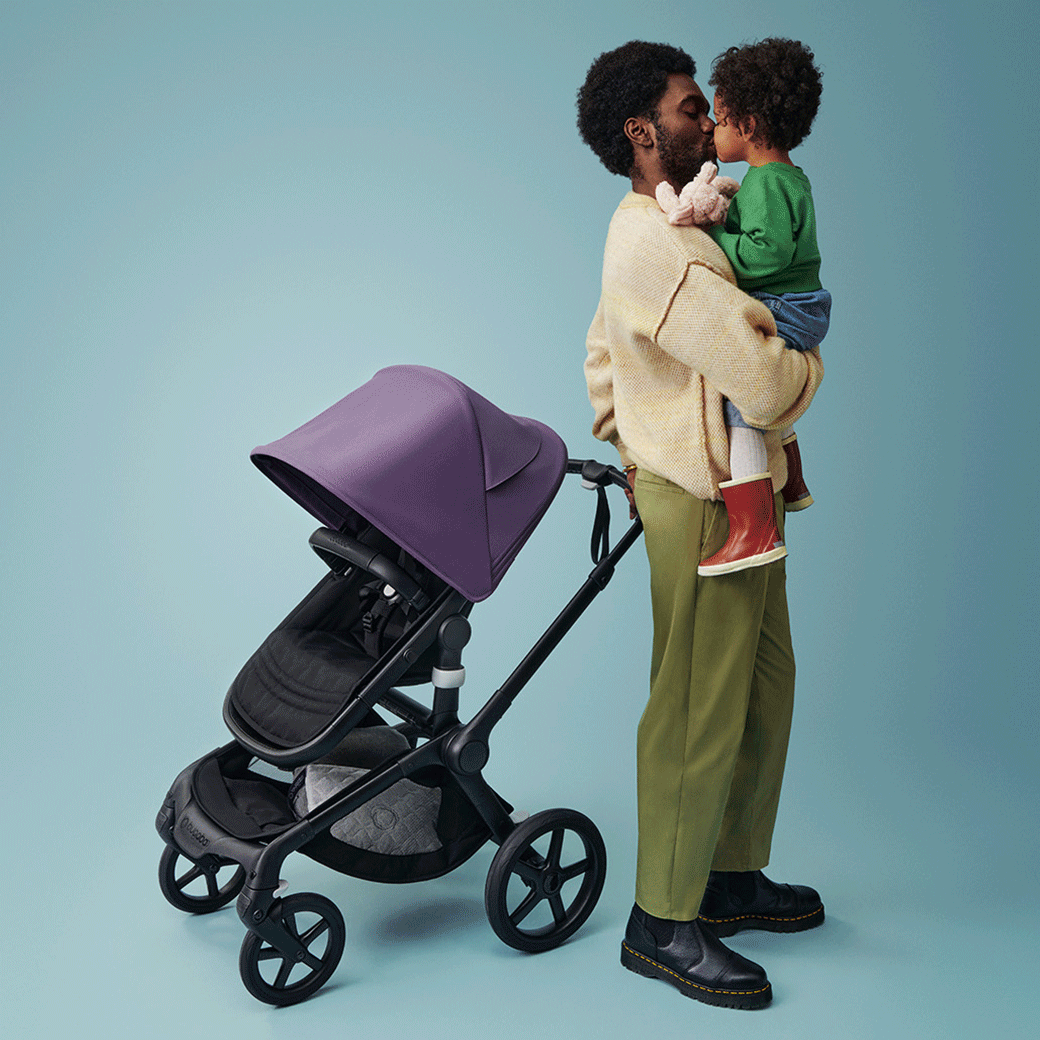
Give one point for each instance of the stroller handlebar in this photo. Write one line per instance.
(597, 474)
(338, 549)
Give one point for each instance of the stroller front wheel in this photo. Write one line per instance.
(545, 880)
(278, 978)
(198, 890)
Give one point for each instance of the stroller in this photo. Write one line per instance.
(427, 492)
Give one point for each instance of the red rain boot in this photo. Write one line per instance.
(753, 538)
(795, 493)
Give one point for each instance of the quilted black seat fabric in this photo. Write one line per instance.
(291, 688)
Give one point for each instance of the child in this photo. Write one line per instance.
(766, 98)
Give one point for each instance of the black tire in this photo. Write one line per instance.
(202, 899)
(289, 981)
(549, 899)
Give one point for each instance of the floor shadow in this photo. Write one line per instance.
(430, 920)
(833, 933)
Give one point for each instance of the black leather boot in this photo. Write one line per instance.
(687, 956)
(735, 900)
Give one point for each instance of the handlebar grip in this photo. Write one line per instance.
(597, 474)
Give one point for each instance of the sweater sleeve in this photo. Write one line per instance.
(599, 377)
(730, 339)
(758, 236)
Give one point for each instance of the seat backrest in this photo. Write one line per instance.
(308, 668)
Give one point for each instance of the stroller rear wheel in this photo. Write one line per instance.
(545, 880)
(198, 890)
(278, 978)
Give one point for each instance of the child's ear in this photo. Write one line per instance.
(747, 128)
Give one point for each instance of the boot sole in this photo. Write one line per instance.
(723, 926)
(797, 504)
(759, 560)
(743, 1000)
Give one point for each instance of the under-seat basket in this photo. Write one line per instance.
(421, 827)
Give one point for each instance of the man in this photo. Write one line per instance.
(671, 337)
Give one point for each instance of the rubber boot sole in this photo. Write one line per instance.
(744, 1000)
(706, 570)
(798, 504)
(724, 926)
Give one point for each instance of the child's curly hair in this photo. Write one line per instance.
(775, 81)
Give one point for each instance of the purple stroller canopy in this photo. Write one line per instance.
(452, 479)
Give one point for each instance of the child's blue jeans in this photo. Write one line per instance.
(801, 320)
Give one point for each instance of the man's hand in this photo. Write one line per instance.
(630, 493)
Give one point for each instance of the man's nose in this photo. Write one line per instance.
(707, 125)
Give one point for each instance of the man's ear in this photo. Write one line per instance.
(640, 132)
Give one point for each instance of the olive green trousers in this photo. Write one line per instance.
(712, 741)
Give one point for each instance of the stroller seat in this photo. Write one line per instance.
(294, 685)
(308, 670)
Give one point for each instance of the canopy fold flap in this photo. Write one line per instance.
(507, 445)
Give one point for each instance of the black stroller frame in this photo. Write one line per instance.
(201, 823)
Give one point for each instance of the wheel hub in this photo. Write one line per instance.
(551, 883)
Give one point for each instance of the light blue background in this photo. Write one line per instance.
(218, 218)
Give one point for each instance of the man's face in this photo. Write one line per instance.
(684, 130)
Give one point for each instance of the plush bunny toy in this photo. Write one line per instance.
(703, 202)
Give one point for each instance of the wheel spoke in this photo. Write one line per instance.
(312, 933)
(283, 974)
(559, 911)
(555, 848)
(532, 900)
(289, 920)
(186, 879)
(268, 953)
(575, 869)
(211, 883)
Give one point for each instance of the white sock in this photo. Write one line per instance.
(787, 431)
(747, 452)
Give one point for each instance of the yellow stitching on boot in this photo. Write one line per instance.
(758, 917)
(707, 989)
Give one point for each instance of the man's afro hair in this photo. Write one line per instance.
(621, 84)
(775, 81)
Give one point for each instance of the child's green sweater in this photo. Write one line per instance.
(770, 232)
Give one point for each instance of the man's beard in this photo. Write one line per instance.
(680, 162)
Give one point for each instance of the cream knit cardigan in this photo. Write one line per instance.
(671, 336)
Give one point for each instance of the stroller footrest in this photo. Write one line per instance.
(247, 808)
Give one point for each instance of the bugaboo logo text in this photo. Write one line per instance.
(193, 832)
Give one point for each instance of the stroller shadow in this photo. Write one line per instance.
(421, 923)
